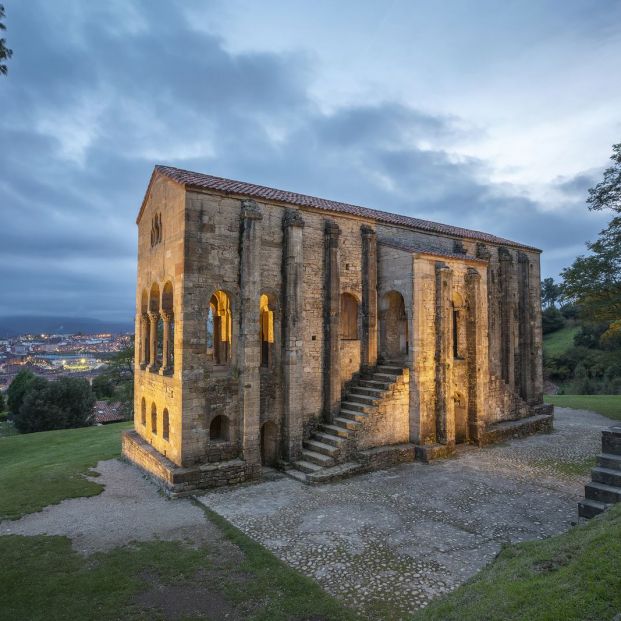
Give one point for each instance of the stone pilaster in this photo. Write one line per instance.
(144, 340)
(368, 343)
(166, 369)
(249, 353)
(507, 312)
(293, 327)
(475, 355)
(523, 368)
(153, 319)
(332, 313)
(445, 419)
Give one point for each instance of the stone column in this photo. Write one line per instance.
(368, 345)
(332, 315)
(445, 419)
(507, 310)
(293, 326)
(249, 358)
(474, 355)
(523, 381)
(144, 340)
(166, 369)
(153, 319)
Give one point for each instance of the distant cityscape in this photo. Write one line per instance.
(58, 355)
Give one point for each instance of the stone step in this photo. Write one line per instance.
(355, 406)
(608, 460)
(608, 476)
(298, 475)
(611, 440)
(590, 508)
(329, 438)
(602, 492)
(389, 368)
(364, 399)
(347, 423)
(353, 415)
(306, 466)
(317, 458)
(320, 447)
(377, 393)
(385, 377)
(371, 383)
(336, 430)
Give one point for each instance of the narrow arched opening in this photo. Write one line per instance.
(143, 412)
(269, 444)
(165, 425)
(219, 429)
(219, 328)
(154, 419)
(266, 318)
(394, 337)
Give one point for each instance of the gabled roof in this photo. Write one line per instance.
(201, 181)
(428, 249)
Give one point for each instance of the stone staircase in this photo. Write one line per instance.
(605, 487)
(326, 454)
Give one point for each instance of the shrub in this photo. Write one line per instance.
(551, 320)
(18, 389)
(63, 404)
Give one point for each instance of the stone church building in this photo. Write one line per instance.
(321, 338)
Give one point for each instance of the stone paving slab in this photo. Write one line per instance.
(408, 534)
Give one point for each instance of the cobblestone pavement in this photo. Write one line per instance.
(403, 536)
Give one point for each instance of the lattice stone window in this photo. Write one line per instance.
(156, 229)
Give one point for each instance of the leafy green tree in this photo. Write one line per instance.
(551, 320)
(17, 390)
(103, 388)
(62, 404)
(2, 403)
(5, 52)
(550, 292)
(593, 282)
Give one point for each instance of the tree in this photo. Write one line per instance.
(5, 52)
(551, 320)
(17, 390)
(593, 282)
(103, 387)
(2, 403)
(63, 404)
(607, 193)
(550, 292)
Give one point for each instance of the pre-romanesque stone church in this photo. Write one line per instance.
(321, 338)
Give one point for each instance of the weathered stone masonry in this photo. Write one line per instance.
(279, 329)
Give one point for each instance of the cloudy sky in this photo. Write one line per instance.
(489, 115)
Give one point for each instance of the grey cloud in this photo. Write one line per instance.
(143, 87)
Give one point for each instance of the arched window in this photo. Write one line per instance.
(267, 330)
(349, 317)
(165, 425)
(143, 412)
(219, 328)
(394, 345)
(219, 429)
(160, 341)
(154, 317)
(153, 419)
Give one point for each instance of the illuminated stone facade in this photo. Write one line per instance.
(322, 338)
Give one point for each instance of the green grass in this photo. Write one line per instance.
(40, 469)
(557, 343)
(43, 578)
(581, 467)
(607, 405)
(574, 576)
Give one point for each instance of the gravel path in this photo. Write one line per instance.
(411, 533)
(130, 508)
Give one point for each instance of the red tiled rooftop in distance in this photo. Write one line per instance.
(240, 188)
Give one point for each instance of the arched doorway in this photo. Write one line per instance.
(393, 327)
(269, 444)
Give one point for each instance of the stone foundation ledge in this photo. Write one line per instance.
(429, 452)
(178, 481)
(498, 432)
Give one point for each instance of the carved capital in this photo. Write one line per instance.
(472, 275)
(458, 247)
(483, 252)
(153, 316)
(504, 254)
(292, 217)
(367, 231)
(250, 210)
(332, 229)
(167, 315)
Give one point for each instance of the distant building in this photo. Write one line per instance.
(108, 412)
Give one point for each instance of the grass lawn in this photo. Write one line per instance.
(557, 343)
(40, 469)
(43, 578)
(574, 576)
(607, 405)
